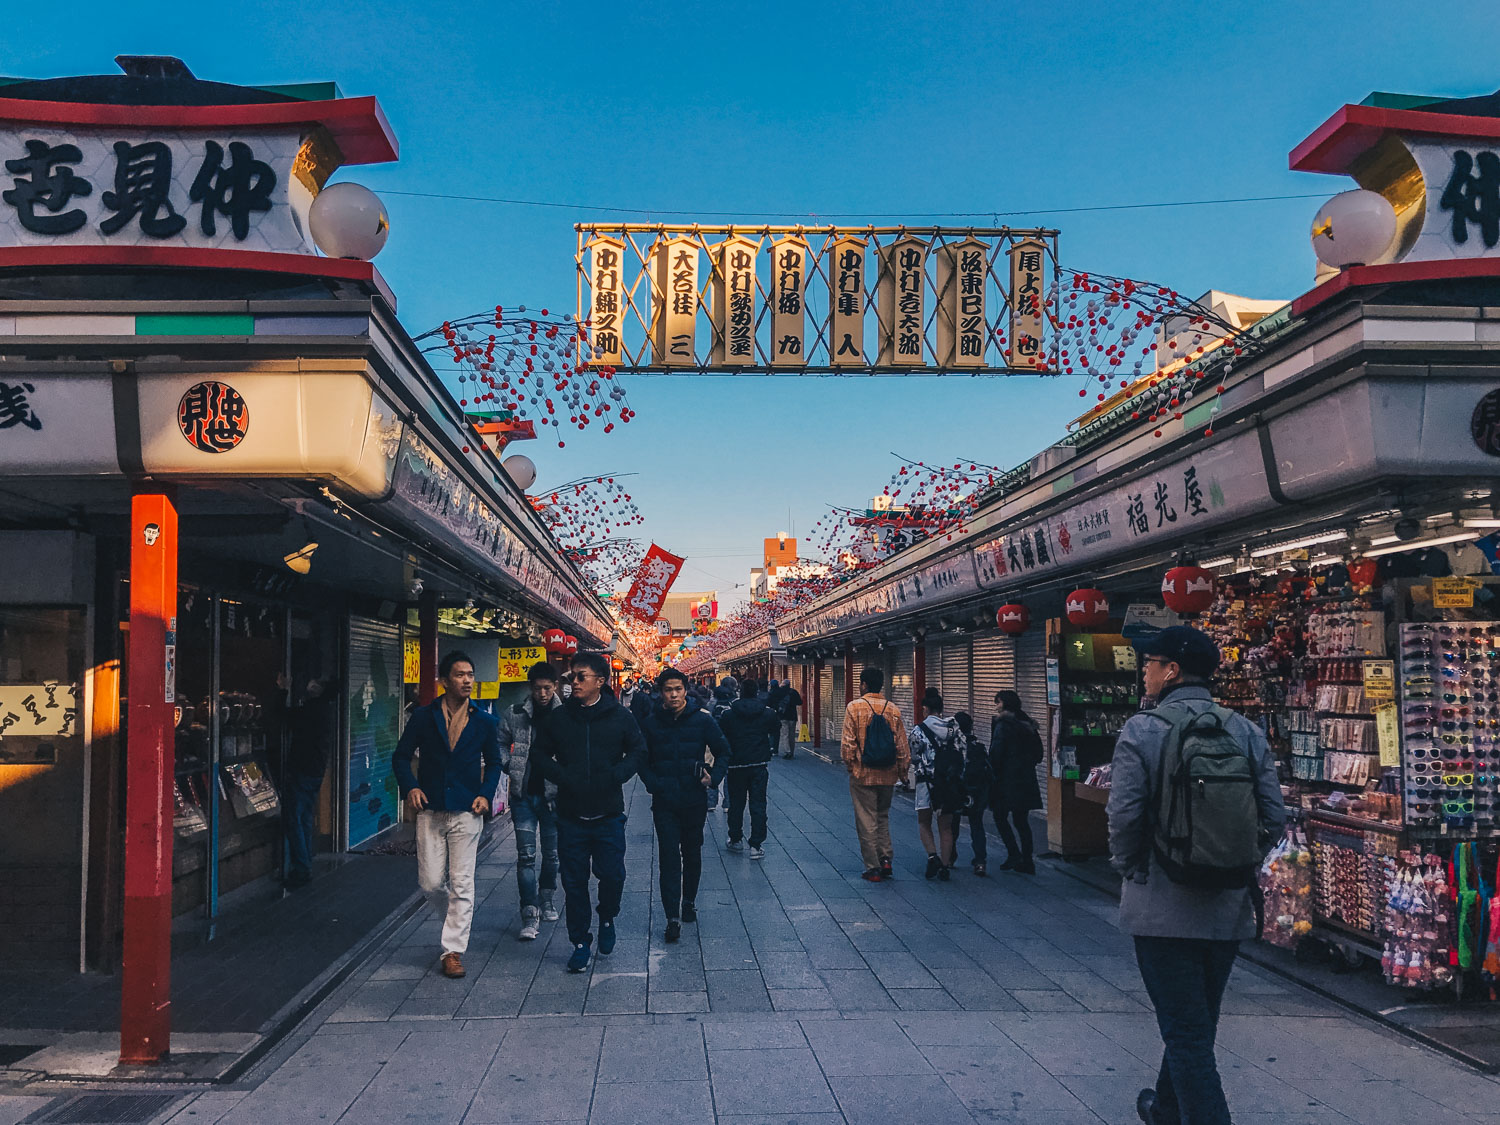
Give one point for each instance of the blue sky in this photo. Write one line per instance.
(812, 109)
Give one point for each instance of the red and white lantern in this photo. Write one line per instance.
(1187, 589)
(554, 639)
(1013, 619)
(570, 646)
(1087, 608)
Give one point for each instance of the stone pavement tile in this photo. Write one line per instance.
(1320, 1116)
(652, 1103)
(1137, 1033)
(973, 989)
(1046, 1001)
(305, 1093)
(1000, 1080)
(613, 993)
(541, 1073)
(923, 1000)
(677, 973)
(898, 1100)
(900, 970)
(414, 1098)
(377, 1000)
(1092, 991)
(738, 990)
(404, 964)
(753, 1035)
(781, 1119)
(459, 1056)
(1111, 1096)
(1066, 1045)
(956, 1029)
(1375, 1102)
(771, 1081)
(1248, 1087)
(872, 937)
(429, 1007)
(800, 999)
(733, 952)
(878, 1045)
(788, 970)
(496, 999)
(673, 1003)
(833, 951)
(856, 990)
(660, 1053)
(377, 1041)
(1277, 1048)
(1122, 972)
(206, 1109)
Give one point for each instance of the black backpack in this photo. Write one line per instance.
(879, 749)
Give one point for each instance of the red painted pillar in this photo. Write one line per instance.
(817, 703)
(150, 762)
(427, 635)
(918, 682)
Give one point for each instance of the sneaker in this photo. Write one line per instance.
(531, 924)
(674, 931)
(1145, 1106)
(549, 912)
(885, 869)
(980, 870)
(606, 938)
(736, 845)
(872, 875)
(788, 757)
(944, 874)
(757, 853)
(689, 912)
(580, 959)
(934, 865)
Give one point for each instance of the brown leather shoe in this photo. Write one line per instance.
(453, 965)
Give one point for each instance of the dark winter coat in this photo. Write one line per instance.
(790, 702)
(314, 730)
(1015, 752)
(640, 706)
(590, 753)
(676, 756)
(746, 724)
(450, 777)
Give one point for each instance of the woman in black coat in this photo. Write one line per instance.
(1015, 752)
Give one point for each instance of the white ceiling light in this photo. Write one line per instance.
(1295, 544)
(1482, 523)
(1416, 544)
(1227, 560)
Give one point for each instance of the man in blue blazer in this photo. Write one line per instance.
(451, 793)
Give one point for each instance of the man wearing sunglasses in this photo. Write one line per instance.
(1186, 935)
(590, 747)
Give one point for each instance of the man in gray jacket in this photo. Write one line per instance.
(1186, 937)
(532, 803)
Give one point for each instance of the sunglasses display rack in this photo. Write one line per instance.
(1450, 726)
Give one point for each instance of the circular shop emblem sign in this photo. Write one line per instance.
(213, 417)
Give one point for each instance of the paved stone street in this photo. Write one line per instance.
(806, 995)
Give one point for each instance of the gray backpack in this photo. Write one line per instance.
(1207, 818)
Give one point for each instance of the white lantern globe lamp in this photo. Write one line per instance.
(520, 469)
(1354, 228)
(349, 221)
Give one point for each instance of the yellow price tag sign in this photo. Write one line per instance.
(1387, 734)
(1453, 593)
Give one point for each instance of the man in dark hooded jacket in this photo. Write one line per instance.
(748, 725)
(680, 736)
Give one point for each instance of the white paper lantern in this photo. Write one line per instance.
(349, 221)
(1354, 228)
(521, 470)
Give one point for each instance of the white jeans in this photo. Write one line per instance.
(787, 743)
(447, 848)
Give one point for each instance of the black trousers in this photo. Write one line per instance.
(679, 844)
(584, 846)
(1186, 978)
(1018, 843)
(748, 782)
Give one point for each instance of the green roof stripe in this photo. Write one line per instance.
(195, 324)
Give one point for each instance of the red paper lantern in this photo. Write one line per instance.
(1187, 589)
(570, 645)
(1087, 608)
(554, 639)
(1013, 619)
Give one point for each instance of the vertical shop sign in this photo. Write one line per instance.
(902, 303)
(675, 302)
(846, 302)
(1027, 285)
(734, 302)
(788, 302)
(962, 271)
(606, 302)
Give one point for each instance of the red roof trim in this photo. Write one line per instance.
(184, 257)
(1354, 129)
(1359, 277)
(363, 134)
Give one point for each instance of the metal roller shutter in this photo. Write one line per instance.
(374, 720)
(833, 720)
(956, 689)
(1031, 685)
(994, 670)
(824, 688)
(903, 668)
(859, 663)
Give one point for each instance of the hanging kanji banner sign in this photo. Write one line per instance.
(658, 571)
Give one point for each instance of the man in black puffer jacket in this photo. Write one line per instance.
(748, 725)
(679, 736)
(590, 747)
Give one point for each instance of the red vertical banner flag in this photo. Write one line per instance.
(659, 569)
